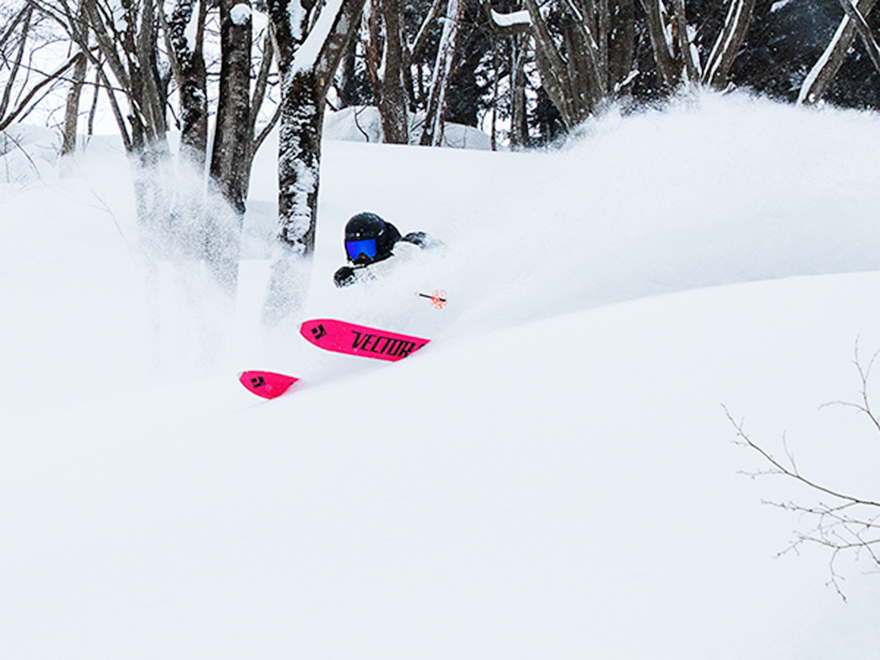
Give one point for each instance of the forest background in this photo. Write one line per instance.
(225, 73)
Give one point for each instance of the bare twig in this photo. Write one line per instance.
(11, 138)
(357, 112)
(50, 80)
(864, 406)
(842, 523)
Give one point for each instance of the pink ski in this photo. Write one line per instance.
(351, 339)
(266, 384)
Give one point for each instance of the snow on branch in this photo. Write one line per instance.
(307, 54)
(513, 19)
(240, 14)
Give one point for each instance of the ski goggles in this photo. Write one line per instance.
(366, 247)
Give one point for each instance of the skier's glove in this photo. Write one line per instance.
(344, 276)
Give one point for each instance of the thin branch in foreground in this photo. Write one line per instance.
(841, 522)
(864, 406)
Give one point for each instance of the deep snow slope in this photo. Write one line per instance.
(508, 495)
(553, 476)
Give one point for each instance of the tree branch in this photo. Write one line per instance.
(846, 523)
(51, 79)
(864, 31)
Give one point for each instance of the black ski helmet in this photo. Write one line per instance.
(366, 226)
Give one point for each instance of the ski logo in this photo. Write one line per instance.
(266, 384)
(389, 346)
(351, 339)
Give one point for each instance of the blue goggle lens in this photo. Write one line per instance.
(357, 248)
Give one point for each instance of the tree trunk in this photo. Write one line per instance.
(519, 128)
(572, 82)
(728, 43)
(669, 73)
(232, 138)
(189, 69)
(299, 170)
(71, 112)
(432, 134)
(393, 99)
(299, 160)
(320, 43)
(621, 44)
(682, 41)
(231, 151)
(346, 89)
(864, 31)
(819, 78)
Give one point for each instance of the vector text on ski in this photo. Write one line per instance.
(383, 345)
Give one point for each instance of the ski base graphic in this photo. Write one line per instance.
(339, 337)
(351, 339)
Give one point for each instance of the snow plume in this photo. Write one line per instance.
(184, 243)
(289, 279)
(707, 170)
(299, 160)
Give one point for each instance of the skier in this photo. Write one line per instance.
(370, 240)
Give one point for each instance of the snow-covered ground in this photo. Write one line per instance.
(553, 476)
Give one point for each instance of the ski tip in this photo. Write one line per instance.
(266, 384)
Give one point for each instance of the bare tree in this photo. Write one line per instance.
(24, 86)
(12, 65)
(127, 37)
(840, 521)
